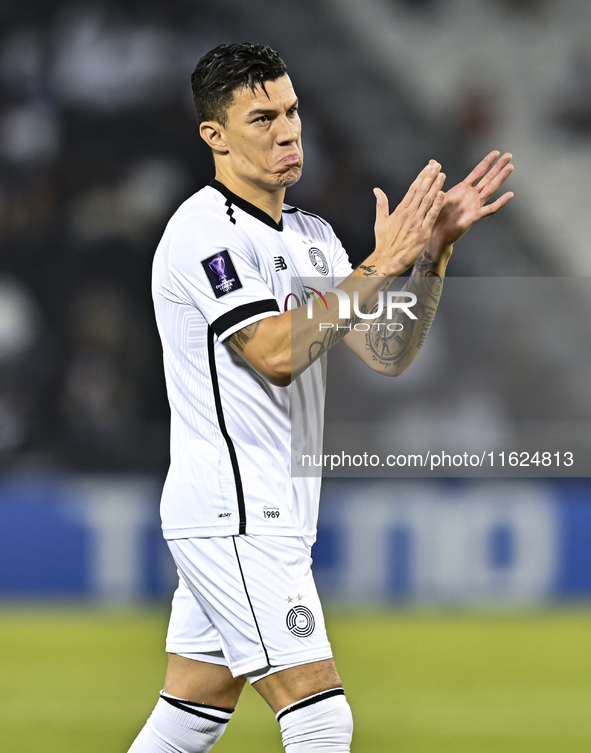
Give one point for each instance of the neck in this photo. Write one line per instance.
(269, 201)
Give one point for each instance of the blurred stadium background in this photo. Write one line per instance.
(459, 608)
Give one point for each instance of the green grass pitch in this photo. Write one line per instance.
(84, 680)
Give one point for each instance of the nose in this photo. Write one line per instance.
(287, 131)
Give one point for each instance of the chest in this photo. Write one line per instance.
(290, 262)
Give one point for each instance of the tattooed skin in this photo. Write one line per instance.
(241, 338)
(394, 348)
(390, 347)
(369, 270)
(433, 284)
(332, 336)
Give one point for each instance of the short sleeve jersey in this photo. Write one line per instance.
(221, 265)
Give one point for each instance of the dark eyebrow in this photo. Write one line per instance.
(267, 111)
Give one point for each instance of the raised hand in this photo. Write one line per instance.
(465, 203)
(402, 235)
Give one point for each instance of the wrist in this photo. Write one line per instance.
(439, 251)
(377, 266)
(387, 264)
(433, 260)
(439, 248)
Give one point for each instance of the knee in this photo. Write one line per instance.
(322, 722)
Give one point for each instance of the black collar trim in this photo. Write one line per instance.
(246, 206)
(293, 210)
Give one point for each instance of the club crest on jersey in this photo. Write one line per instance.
(300, 621)
(318, 260)
(221, 273)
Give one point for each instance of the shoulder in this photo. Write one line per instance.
(308, 223)
(205, 209)
(295, 214)
(201, 224)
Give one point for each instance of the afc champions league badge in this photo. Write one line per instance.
(219, 267)
(300, 621)
(221, 273)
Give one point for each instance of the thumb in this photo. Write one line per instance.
(382, 209)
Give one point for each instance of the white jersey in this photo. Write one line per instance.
(221, 265)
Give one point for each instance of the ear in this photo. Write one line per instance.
(214, 136)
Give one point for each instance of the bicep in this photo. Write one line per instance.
(266, 346)
(246, 340)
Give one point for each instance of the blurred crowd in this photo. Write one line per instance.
(98, 145)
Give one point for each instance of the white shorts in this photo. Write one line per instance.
(248, 602)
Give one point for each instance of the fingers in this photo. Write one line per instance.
(432, 200)
(420, 186)
(422, 192)
(382, 209)
(433, 213)
(496, 205)
(495, 170)
(482, 168)
(495, 178)
(427, 189)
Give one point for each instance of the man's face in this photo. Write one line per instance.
(263, 135)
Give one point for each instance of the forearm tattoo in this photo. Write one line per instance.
(369, 270)
(432, 284)
(335, 334)
(332, 336)
(391, 348)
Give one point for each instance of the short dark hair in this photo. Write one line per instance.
(229, 67)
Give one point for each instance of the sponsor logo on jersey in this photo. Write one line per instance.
(309, 293)
(221, 273)
(280, 264)
(300, 621)
(318, 260)
(224, 515)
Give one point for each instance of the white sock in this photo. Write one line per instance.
(321, 722)
(178, 726)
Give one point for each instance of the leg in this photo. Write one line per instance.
(194, 708)
(199, 682)
(310, 705)
(284, 688)
(259, 593)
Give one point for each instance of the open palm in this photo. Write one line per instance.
(465, 203)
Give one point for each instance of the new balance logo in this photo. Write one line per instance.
(280, 264)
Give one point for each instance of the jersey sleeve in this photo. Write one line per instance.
(216, 270)
(341, 266)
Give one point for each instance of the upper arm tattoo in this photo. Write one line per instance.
(241, 338)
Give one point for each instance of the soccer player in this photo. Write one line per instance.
(240, 358)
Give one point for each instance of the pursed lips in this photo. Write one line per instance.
(291, 159)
